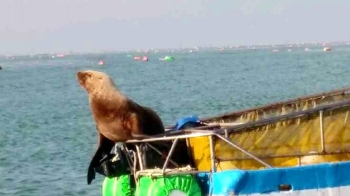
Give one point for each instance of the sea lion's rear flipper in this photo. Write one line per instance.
(118, 163)
(105, 146)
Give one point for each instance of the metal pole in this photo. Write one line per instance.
(346, 117)
(200, 133)
(160, 153)
(169, 155)
(212, 153)
(171, 172)
(226, 133)
(189, 152)
(282, 156)
(244, 151)
(139, 156)
(322, 132)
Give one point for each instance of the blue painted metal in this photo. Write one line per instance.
(244, 182)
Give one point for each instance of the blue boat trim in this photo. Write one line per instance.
(184, 120)
(318, 176)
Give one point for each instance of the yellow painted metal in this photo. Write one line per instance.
(280, 108)
(291, 142)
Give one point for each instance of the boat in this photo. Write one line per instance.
(137, 58)
(327, 49)
(101, 63)
(297, 147)
(167, 58)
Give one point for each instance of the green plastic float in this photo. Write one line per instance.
(118, 186)
(180, 185)
(164, 186)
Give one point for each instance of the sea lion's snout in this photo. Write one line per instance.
(82, 77)
(79, 74)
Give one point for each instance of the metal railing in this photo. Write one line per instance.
(223, 134)
(195, 133)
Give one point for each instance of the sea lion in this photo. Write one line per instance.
(117, 117)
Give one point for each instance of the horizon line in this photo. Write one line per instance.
(98, 51)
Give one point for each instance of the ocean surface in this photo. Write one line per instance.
(47, 134)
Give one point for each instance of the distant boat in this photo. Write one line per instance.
(101, 63)
(145, 58)
(327, 49)
(60, 55)
(137, 58)
(167, 58)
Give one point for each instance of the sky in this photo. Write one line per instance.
(45, 26)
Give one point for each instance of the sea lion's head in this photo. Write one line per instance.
(93, 81)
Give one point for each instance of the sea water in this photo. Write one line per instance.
(48, 136)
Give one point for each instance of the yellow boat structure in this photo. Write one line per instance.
(307, 130)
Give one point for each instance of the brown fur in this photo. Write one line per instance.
(117, 117)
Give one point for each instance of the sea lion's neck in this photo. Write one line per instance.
(107, 94)
(105, 102)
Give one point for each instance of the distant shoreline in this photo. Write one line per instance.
(202, 48)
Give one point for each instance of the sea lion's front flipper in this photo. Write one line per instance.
(105, 146)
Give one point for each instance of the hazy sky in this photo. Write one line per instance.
(36, 26)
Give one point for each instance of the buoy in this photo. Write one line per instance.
(117, 186)
(180, 185)
(145, 58)
(101, 63)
